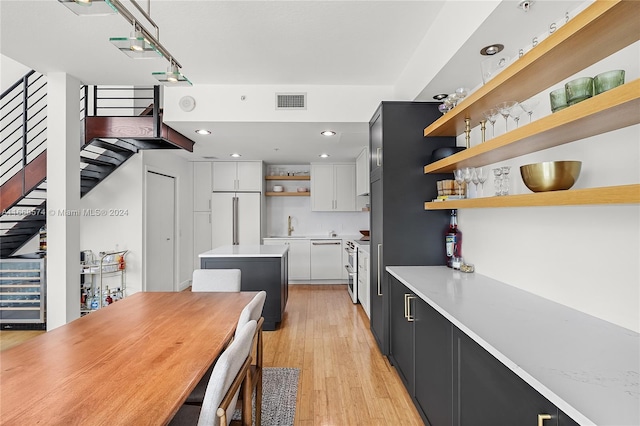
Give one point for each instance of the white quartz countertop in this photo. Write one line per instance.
(586, 366)
(247, 251)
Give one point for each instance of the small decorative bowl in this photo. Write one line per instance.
(278, 188)
(579, 89)
(550, 175)
(607, 81)
(558, 99)
(302, 189)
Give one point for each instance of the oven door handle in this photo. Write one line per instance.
(349, 270)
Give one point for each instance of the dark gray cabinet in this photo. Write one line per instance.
(401, 348)
(451, 378)
(402, 232)
(434, 364)
(259, 273)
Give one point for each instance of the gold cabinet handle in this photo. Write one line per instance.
(542, 418)
(406, 305)
(410, 317)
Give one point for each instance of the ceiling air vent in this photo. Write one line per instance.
(291, 101)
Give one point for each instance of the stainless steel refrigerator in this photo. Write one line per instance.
(235, 218)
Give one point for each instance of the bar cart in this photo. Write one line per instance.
(103, 279)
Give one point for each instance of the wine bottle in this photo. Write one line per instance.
(453, 239)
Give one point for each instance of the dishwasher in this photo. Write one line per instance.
(326, 259)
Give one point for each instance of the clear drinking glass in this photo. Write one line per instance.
(475, 180)
(504, 184)
(529, 105)
(491, 115)
(466, 173)
(504, 109)
(497, 180)
(483, 174)
(458, 175)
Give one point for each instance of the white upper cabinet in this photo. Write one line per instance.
(237, 176)
(202, 187)
(362, 173)
(333, 187)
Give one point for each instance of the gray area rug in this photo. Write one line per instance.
(279, 392)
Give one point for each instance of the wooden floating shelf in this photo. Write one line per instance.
(624, 194)
(601, 29)
(611, 110)
(288, 194)
(287, 177)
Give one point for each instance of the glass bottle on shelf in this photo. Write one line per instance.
(42, 236)
(453, 239)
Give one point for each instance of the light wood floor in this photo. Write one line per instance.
(344, 379)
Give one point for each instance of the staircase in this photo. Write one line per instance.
(107, 142)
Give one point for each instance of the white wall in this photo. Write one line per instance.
(309, 223)
(585, 257)
(10, 72)
(124, 189)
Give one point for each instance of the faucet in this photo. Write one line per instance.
(289, 227)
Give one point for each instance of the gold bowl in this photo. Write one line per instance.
(550, 175)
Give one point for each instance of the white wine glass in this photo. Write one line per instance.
(475, 180)
(529, 105)
(466, 172)
(504, 109)
(458, 175)
(483, 175)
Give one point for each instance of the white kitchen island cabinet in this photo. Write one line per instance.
(261, 267)
(504, 353)
(333, 187)
(237, 176)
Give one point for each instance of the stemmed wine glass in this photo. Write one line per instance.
(458, 175)
(515, 112)
(483, 174)
(491, 116)
(529, 105)
(467, 178)
(475, 179)
(504, 109)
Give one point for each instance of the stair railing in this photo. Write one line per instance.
(23, 124)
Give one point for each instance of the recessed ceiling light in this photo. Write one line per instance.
(203, 132)
(491, 49)
(328, 133)
(440, 96)
(236, 155)
(324, 156)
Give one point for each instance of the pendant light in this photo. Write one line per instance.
(172, 77)
(136, 46)
(89, 7)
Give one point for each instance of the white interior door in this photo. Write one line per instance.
(160, 232)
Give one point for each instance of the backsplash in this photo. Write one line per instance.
(309, 223)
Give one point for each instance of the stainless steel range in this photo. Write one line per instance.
(352, 269)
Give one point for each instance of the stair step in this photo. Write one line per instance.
(100, 143)
(96, 162)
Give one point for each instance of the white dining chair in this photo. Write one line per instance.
(251, 312)
(216, 280)
(230, 372)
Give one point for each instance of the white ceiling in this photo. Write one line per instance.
(354, 42)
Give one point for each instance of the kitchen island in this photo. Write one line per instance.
(262, 268)
(586, 367)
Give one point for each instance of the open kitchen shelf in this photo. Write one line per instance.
(611, 110)
(600, 30)
(625, 194)
(288, 194)
(287, 178)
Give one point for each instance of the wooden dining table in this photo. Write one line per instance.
(133, 362)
